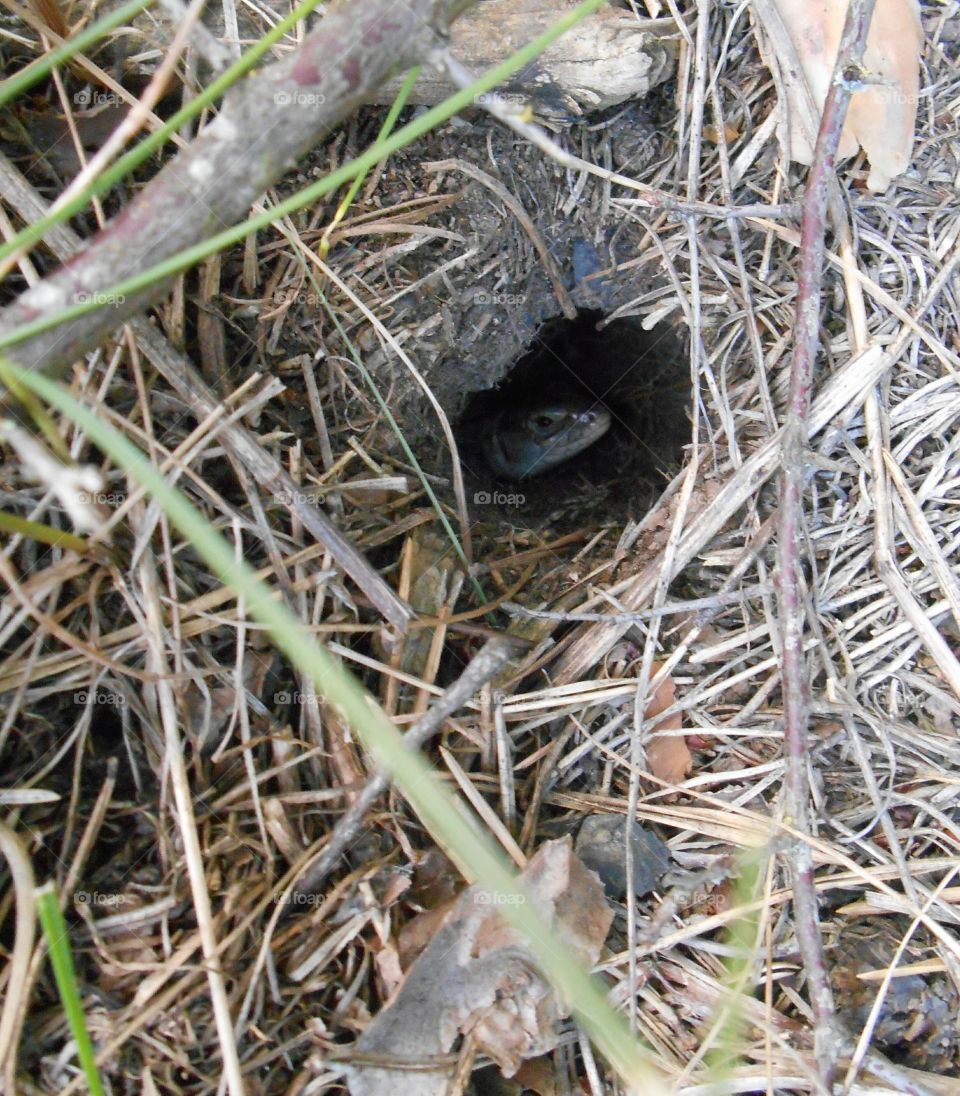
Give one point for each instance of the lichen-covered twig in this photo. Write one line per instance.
(266, 124)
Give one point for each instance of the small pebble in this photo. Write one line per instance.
(601, 846)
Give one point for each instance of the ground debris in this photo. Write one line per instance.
(477, 978)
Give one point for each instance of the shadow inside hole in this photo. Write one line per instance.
(641, 377)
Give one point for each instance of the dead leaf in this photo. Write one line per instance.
(50, 13)
(477, 977)
(669, 759)
(540, 1077)
(435, 880)
(417, 934)
(668, 756)
(712, 134)
(802, 41)
(387, 962)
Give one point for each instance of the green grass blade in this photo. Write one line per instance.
(58, 946)
(42, 534)
(741, 936)
(18, 83)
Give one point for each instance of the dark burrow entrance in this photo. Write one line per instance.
(640, 377)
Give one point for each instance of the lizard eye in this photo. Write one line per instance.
(543, 421)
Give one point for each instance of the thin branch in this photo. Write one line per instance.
(790, 533)
(489, 661)
(267, 122)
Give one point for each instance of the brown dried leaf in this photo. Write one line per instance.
(540, 1077)
(882, 116)
(417, 934)
(669, 759)
(388, 966)
(476, 976)
(668, 756)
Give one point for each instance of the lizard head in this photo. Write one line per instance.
(535, 439)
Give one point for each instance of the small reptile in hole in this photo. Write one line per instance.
(527, 441)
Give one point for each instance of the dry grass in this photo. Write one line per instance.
(563, 733)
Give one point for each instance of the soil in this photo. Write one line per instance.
(485, 324)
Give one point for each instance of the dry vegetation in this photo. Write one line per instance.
(678, 601)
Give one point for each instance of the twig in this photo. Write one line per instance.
(266, 122)
(490, 659)
(709, 605)
(790, 533)
(895, 1076)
